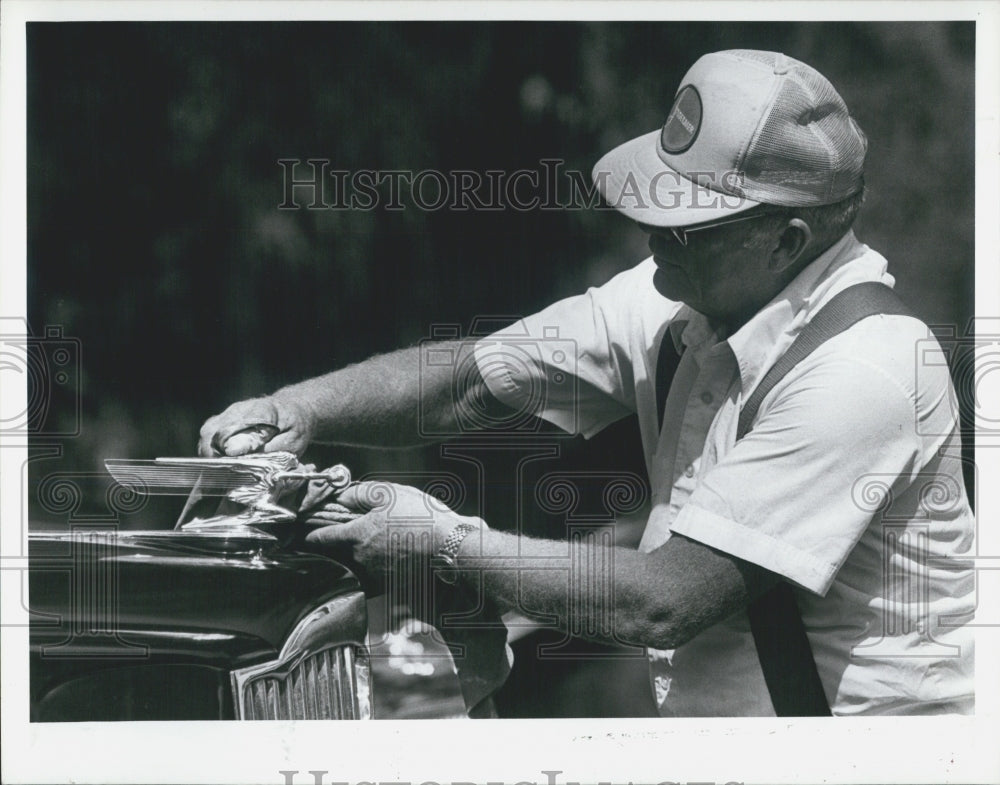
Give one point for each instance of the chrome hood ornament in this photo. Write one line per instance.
(252, 485)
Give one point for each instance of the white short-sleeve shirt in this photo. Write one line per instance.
(849, 483)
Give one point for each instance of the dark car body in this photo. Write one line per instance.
(178, 625)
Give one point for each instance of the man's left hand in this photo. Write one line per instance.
(397, 523)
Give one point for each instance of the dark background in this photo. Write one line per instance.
(154, 236)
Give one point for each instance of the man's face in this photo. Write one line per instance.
(721, 272)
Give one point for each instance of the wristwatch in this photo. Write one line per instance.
(446, 566)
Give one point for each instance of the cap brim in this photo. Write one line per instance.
(634, 180)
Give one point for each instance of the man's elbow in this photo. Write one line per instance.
(660, 627)
(675, 593)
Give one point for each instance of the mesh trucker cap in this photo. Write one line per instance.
(746, 128)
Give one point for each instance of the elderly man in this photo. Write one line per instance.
(803, 551)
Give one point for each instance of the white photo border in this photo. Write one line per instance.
(938, 750)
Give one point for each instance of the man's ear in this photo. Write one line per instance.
(792, 243)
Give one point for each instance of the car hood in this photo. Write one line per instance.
(224, 598)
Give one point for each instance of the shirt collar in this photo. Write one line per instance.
(759, 343)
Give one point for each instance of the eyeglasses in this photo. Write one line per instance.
(681, 233)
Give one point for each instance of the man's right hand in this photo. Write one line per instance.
(259, 424)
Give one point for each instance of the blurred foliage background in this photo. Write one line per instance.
(153, 186)
(155, 238)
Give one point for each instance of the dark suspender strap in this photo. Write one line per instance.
(779, 635)
(786, 657)
(666, 366)
(844, 309)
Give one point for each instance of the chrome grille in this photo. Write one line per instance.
(321, 673)
(320, 687)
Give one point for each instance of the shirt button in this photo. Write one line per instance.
(706, 397)
(689, 472)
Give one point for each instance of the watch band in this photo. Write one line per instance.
(446, 557)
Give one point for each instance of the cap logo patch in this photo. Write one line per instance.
(683, 123)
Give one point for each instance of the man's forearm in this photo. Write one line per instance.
(384, 400)
(598, 591)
